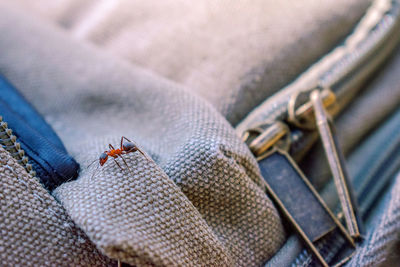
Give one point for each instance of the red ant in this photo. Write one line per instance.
(126, 147)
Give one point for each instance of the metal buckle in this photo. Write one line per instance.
(300, 203)
(337, 165)
(291, 190)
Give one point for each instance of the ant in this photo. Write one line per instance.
(126, 147)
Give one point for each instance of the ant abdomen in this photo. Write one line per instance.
(129, 147)
(103, 158)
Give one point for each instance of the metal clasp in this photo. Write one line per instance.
(263, 137)
(287, 185)
(337, 166)
(300, 204)
(270, 135)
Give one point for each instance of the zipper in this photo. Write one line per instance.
(343, 71)
(371, 178)
(286, 120)
(46, 153)
(10, 144)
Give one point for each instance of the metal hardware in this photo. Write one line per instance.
(291, 190)
(263, 137)
(269, 138)
(336, 163)
(303, 116)
(300, 203)
(344, 70)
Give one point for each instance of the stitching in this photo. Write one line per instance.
(13, 147)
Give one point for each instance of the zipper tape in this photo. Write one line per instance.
(34, 138)
(343, 71)
(373, 165)
(9, 95)
(10, 144)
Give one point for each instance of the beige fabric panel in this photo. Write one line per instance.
(200, 200)
(380, 99)
(233, 53)
(35, 229)
(140, 216)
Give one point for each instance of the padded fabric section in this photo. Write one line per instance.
(382, 241)
(233, 53)
(203, 189)
(35, 229)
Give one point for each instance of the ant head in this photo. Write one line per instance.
(129, 147)
(103, 158)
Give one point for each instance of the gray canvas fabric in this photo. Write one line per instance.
(35, 229)
(374, 104)
(383, 235)
(372, 163)
(142, 217)
(233, 53)
(200, 201)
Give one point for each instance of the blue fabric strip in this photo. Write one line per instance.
(41, 144)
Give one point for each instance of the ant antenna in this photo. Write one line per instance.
(92, 163)
(95, 171)
(143, 153)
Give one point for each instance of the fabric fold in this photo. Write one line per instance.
(201, 200)
(35, 229)
(234, 54)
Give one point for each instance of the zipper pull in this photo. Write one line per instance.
(302, 206)
(290, 189)
(337, 166)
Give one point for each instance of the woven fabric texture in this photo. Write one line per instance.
(200, 201)
(141, 217)
(35, 229)
(384, 233)
(233, 53)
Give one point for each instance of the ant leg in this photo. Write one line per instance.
(123, 137)
(144, 154)
(111, 146)
(137, 147)
(125, 163)
(117, 163)
(95, 171)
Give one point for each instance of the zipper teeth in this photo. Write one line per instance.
(331, 246)
(353, 61)
(345, 64)
(338, 71)
(10, 144)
